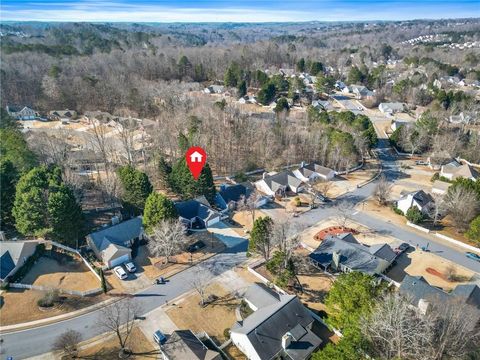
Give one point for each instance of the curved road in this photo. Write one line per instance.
(26, 343)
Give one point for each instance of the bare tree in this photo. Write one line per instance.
(201, 277)
(119, 317)
(343, 210)
(462, 204)
(382, 190)
(324, 186)
(285, 236)
(437, 208)
(396, 331)
(249, 203)
(67, 343)
(168, 239)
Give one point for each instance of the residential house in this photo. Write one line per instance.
(13, 254)
(184, 344)
(279, 183)
(21, 113)
(229, 195)
(396, 124)
(313, 172)
(65, 116)
(112, 245)
(440, 187)
(391, 108)
(459, 119)
(248, 99)
(322, 105)
(344, 253)
(419, 199)
(197, 213)
(455, 170)
(287, 72)
(279, 328)
(421, 294)
(360, 92)
(214, 89)
(340, 85)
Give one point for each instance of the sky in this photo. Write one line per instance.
(234, 10)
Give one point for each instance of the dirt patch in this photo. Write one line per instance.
(143, 348)
(213, 318)
(437, 273)
(20, 306)
(244, 218)
(68, 275)
(234, 353)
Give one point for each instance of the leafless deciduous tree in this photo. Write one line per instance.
(462, 205)
(250, 203)
(67, 343)
(343, 212)
(201, 277)
(324, 187)
(437, 209)
(382, 190)
(285, 236)
(168, 239)
(449, 329)
(119, 318)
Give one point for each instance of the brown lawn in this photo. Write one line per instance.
(234, 353)
(142, 348)
(73, 275)
(213, 318)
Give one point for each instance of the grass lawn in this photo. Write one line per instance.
(233, 352)
(19, 306)
(142, 348)
(73, 275)
(213, 318)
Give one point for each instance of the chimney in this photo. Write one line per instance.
(302, 164)
(286, 340)
(336, 260)
(423, 306)
(264, 175)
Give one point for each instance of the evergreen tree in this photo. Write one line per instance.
(301, 65)
(184, 66)
(8, 181)
(473, 232)
(164, 170)
(242, 89)
(157, 208)
(315, 68)
(183, 183)
(136, 188)
(199, 73)
(183, 143)
(355, 76)
(266, 94)
(282, 105)
(261, 237)
(324, 84)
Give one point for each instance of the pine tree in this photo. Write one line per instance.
(242, 89)
(164, 170)
(157, 208)
(8, 181)
(183, 183)
(260, 237)
(136, 188)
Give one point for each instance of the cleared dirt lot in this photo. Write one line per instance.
(72, 275)
(213, 318)
(244, 219)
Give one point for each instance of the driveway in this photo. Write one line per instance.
(227, 235)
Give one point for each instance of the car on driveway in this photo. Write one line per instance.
(473, 256)
(402, 248)
(118, 270)
(159, 337)
(130, 266)
(196, 246)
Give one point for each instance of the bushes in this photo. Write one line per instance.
(49, 299)
(473, 232)
(414, 215)
(396, 210)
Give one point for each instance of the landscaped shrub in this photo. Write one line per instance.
(49, 299)
(414, 215)
(396, 210)
(297, 201)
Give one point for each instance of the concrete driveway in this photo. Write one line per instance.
(226, 234)
(157, 320)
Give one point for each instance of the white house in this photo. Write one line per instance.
(279, 183)
(313, 172)
(398, 123)
(196, 157)
(455, 170)
(419, 199)
(391, 108)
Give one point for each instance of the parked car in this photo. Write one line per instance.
(421, 162)
(118, 270)
(473, 256)
(401, 248)
(159, 337)
(130, 266)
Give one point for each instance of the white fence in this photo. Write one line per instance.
(62, 291)
(418, 227)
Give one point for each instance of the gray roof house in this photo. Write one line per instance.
(21, 112)
(455, 170)
(279, 183)
(196, 213)
(312, 172)
(391, 108)
(13, 255)
(112, 245)
(419, 199)
(344, 253)
(183, 344)
(279, 327)
(421, 293)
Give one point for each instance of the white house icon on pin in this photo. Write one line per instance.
(196, 157)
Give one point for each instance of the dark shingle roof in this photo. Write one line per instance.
(183, 344)
(267, 325)
(118, 234)
(470, 292)
(416, 288)
(191, 209)
(284, 178)
(234, 193)
(6, 265)
(383, 251)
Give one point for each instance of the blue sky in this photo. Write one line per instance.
(235, 11)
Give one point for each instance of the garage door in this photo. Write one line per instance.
(120, 260)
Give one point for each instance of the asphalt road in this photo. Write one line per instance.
(27, 343)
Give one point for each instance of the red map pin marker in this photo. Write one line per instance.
(196, 158)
